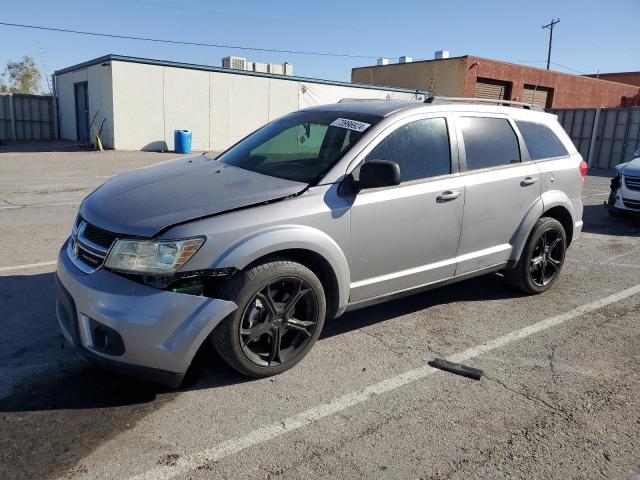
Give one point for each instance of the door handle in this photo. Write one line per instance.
(447, 196)
(528, 181)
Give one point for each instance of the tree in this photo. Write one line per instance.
(21, 77)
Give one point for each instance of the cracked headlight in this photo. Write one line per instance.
(152, 256)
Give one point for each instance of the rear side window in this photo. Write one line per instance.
(489, 142)
(420, 148)
(541, 141)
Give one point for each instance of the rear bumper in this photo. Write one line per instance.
(161, 331)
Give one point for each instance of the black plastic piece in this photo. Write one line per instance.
(379, 173)
(456, 368)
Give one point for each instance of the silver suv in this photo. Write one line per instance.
(324, 210)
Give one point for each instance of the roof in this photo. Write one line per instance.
(385, 108)
(209, 68)
(378, 108)
(412, 62)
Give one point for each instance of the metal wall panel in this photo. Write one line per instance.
(617, 134)
(33, 117)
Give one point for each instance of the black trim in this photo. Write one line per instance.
(163, 377)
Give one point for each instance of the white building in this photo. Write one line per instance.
(137, 103)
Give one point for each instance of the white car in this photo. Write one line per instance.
(625, 188)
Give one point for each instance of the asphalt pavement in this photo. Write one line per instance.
(559, 398)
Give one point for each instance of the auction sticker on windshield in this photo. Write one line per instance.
(350, 124)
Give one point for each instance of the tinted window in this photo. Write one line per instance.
(421, 148)
(489, 142)
(541, 141)
(301, 146)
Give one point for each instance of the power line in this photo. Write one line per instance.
(181, 42)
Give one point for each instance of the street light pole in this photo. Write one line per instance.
(550, 27)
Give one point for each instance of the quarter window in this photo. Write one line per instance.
(420, 148)
(541, 141)
(489, 142)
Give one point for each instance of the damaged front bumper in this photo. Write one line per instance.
(131, 327)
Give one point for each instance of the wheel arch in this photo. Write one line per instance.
(556, 205)
(305, 245)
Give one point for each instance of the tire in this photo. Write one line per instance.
(261, 337)
(530, 273)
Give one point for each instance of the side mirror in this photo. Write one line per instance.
(378, 173)
(636, 154)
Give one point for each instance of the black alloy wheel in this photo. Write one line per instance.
(547, 257)
(542, 258)
(280, 315)
(279, 321)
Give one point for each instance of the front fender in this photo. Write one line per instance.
(286, 237)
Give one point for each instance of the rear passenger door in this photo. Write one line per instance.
(407, 235)
(502, 185)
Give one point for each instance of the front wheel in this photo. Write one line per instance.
(280, 314)
(542, 258)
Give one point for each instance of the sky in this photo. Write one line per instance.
(591, 36)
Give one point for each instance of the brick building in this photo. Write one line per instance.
(470, 76)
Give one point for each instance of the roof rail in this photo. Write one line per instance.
(343, 100)
(528, 106)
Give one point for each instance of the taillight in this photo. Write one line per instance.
(583, 169)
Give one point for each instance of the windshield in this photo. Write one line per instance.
(301, 146)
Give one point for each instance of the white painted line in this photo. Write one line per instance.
(27, 265)
(16, 207)
(308, 417)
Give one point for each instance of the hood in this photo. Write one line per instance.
(143, 202)
(630, 168)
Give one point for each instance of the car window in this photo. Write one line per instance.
(541, 141)
(489, 142)
(420, 148)
(301, 146)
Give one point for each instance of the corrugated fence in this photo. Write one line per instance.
(26, 117)
(605, 137)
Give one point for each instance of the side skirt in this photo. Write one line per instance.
(423, 288)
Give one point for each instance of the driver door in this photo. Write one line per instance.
(407, 235)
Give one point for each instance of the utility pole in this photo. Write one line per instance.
(550, 27)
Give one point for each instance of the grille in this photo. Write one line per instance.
(94, 261)
(635, 204)
(97, 235)
(632, 183)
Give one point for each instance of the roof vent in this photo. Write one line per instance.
(405, 59)
(441, 54)
(236, 63)
(383, 61)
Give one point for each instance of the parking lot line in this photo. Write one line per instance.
(15, 207)
(308, 417)
(27, 266)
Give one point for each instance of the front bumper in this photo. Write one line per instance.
(161, 331)
(627, 200)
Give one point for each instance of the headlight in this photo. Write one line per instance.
(152, 256)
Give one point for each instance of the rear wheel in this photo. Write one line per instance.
(542, 258)
(281, 311)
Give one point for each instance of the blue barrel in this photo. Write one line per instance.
(182, 141)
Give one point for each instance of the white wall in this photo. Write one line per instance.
(143, 104)
(99, 90)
